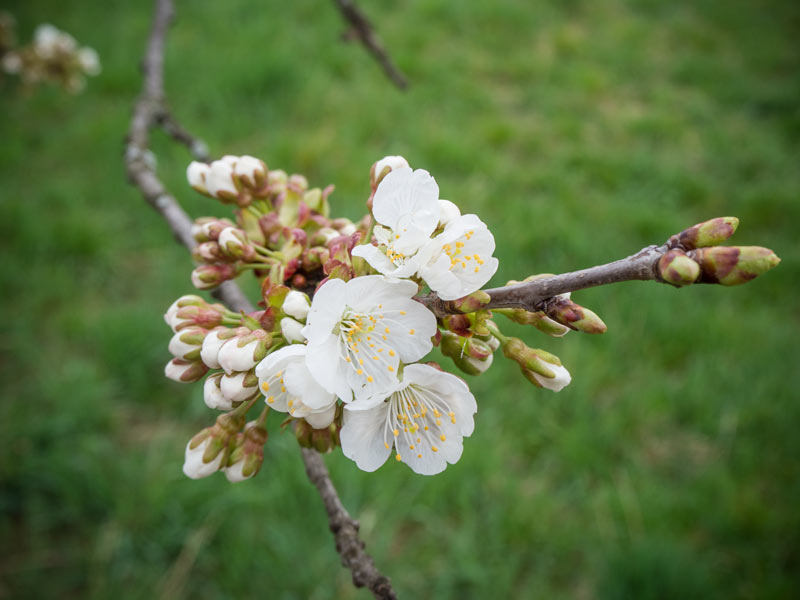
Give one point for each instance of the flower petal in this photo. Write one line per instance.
(362, 437)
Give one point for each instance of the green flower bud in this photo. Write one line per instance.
(678, 269)
(734, 265)
(707, 233)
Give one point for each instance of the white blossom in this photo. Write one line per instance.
(359, 331)
(459, 261)
(425, 419)
(406, 205)
(243, 351)
(288, 386)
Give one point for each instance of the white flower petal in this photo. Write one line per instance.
(425, 419)
(212, 394)
(233, 387)
(559, 382)
(362, 437)
(321, 419)
(297, 305)
(448, 212)
(292, 330)
(193, 465)
(209, 352)
(408, 194)
(233, 357)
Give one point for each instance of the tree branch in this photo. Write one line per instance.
(149, 110)
(363, 30)
(531, 295)
(345, 531)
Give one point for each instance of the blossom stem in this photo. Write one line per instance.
(267, 251)
(244, 407)
(368, 237)
(262, 418)
(496, 332)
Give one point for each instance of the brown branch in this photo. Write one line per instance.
(345, 531)
(149, 111)
(363, 30)
(532, 295)
(198, 148)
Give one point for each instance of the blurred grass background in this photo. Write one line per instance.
(579, 132)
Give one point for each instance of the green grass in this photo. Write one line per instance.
(579, 132)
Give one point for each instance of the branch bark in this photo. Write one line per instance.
(363, 30)
(149, 110)
(532, 295)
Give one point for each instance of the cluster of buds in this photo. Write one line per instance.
(347, 367)
(53, 57)
(695, 256)
(281, 228)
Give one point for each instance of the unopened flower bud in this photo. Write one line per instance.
(207, 277)
(196, 174)
(220, 181)
(574, 316)
(296, 304)
(292, 331)
(539, 367)
(245, 350)
(238, 387)
(313, 258)
(206, 317)
(325, 439)
(277, 181)
(708, 233)
(383, 167)
(297, 183)
(448, 212)
(234, 243)
(208, 252)
(208, 451)
(209, 352)
(252, 172)
(186, 343)
(211, 228)
(471, 303)
(734, 265)
(185, 371)
(171, 316)
(678, 269)
(471, 355)
(212, 393)
(247, 454)
(538, 319)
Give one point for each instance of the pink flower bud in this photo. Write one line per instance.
(185, 371)
(206, 277)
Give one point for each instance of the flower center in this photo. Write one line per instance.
(415, 416)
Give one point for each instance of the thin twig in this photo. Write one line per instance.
(198, 148)
(363, 30)
(147, 112)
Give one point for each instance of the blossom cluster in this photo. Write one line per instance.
(340, 342)
(53, 56)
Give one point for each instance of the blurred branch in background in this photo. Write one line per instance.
(362, 29)
(150, 111)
